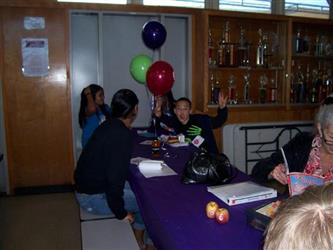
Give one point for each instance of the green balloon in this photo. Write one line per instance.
(139, 67)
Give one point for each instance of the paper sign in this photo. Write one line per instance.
(31, 22)
(197, 141)
(35, 56)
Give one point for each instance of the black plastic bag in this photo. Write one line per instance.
(205, 168)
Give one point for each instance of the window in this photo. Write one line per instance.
(177, 3)
(314, 8)
(263, 6)
(96, 1)
(102, 47)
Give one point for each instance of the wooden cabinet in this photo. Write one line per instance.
(279, 70)
(311, 61)
(244, 55)
(295, 67)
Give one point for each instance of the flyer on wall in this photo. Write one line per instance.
(35, 57)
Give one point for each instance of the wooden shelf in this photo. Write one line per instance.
(254, 105)
(305, 56)
(245, 68)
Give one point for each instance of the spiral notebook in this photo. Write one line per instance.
(243, 192)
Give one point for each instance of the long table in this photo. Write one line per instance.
(174, 213)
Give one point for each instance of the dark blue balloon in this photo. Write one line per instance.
(153, 34)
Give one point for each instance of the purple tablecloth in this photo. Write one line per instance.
(174, 213)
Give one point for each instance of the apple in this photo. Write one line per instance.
(222, 215)
(211, 208)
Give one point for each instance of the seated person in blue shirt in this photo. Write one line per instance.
(93, 111)
(192, 125)
(103, 167)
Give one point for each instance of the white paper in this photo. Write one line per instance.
(179, 144)
(151, 168)
(146, 142)
(197, 141)
(31, 22)
(285, 161)
(137, 160)
(149, 165)
(35, 56)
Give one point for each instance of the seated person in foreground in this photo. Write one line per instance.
(303, 221)
(102, 169)
(306, 152)
(192, 125)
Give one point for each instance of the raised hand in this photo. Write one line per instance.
(223, 100)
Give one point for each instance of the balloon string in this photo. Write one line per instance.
(148, 97)
(152, 104)
(154, 118)
(153, 56)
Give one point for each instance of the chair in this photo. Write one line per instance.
(104, 234)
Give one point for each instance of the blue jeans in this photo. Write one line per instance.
(97, 204)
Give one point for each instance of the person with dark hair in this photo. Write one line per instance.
(163, 112)
(102, 169)
(93, 111)
(192, 125)
(311, 153)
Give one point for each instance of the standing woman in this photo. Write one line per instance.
(93, 111)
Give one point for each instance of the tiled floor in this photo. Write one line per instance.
(38, 222)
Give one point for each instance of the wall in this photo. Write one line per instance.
(37, 111)
(102, 47)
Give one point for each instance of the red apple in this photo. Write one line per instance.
(222, 215)
(211, 208)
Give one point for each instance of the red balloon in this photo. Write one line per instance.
(160, 78)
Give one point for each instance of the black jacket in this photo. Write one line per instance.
(104, 163)
(205, 122)
(297, 153)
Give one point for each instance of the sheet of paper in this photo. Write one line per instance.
(35, 57)
(150, 165)
(137, 160)
(146, 142)
(179, 144)
(145, 133)
(285, 161)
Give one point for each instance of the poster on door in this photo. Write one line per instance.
(35, 57)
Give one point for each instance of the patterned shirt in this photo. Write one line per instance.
(313, 165)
